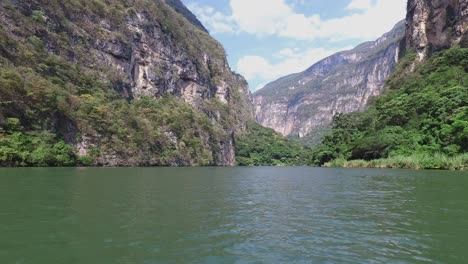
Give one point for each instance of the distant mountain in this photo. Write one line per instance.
(301, 103)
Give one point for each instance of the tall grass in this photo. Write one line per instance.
(417, 162)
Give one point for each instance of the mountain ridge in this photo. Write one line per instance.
(292, 105)
(180, 8)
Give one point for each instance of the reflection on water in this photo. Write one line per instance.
(232, 215)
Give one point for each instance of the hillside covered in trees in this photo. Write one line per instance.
(421, 121)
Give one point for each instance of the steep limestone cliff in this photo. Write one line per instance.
(142, 50)
(299, 104)
(436, 25)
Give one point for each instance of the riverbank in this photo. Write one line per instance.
(417, 162)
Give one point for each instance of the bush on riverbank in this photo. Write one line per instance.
(437, 161)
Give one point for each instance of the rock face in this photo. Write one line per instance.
(154, 64)
(144, 50)
(433, 25)
(299, 104)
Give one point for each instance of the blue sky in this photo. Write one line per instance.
(268, 39)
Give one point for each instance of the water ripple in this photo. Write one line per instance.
(234, 215)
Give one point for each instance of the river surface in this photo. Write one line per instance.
(232, 215)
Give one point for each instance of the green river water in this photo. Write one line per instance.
(232, 215)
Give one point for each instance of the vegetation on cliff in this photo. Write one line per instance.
(421, 119)
(261, 146)
(61, 104)
(32, 103)
(415, 162)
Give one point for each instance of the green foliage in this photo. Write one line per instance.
(13, 124)
(437, 161)
(35, 149)
(146, 131)
(261, 146)
(163, 132)
(38, 16)
(422, 113)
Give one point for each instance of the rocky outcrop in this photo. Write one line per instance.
(435, 25)
(154, 64)
(299, 104)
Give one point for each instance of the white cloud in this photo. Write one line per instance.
(365, 20)
(262, 70)
(367, 25)
(216, 21)
(287, 52)
(277, 18)
(261, 17)
(360, 4)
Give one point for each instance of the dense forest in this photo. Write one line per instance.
(421, 121)
(261, 146)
